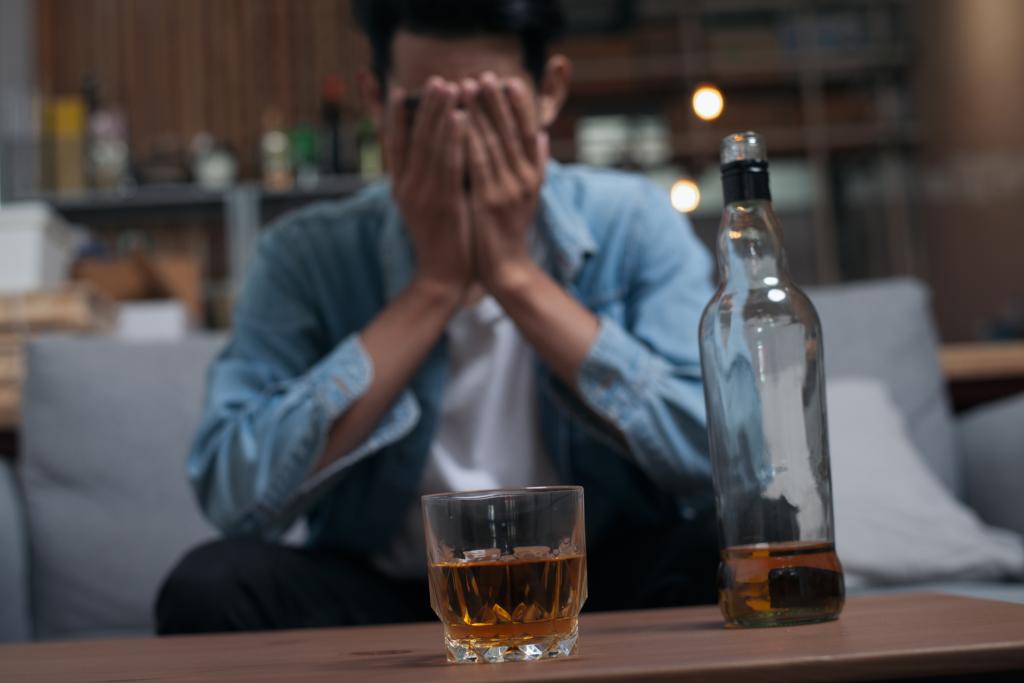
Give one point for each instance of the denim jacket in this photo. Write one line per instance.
(632, 430)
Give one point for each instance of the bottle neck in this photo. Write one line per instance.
(750, 254)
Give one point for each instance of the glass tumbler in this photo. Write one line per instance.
(507, 571)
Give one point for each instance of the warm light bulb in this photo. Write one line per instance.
(708, 102)
(685, 195)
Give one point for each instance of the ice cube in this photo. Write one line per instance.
(566, 547)
(483, 554)
(533, 613)
(519, 612)
(502, 615)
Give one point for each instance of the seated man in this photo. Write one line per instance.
(487, 318)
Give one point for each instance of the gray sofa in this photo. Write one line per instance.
(97, 509)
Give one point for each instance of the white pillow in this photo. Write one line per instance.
(895, 521)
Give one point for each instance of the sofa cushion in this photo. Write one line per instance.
(991, 440)
(895, 522)
(106, 428)
(986, 590)
(883, 329)
(14, 613)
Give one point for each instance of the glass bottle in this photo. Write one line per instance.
(764, 384)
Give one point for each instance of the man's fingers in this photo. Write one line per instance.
(543, 147)
(476, 156)
(397, 130)
(496, 105)
(496, 157)
(425, 126)
(525, 114)
(441, 130)
(455, 151)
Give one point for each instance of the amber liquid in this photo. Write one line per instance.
(776, 584)
(515, 609)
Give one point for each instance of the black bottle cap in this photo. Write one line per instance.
(744, 168)
(745, 180)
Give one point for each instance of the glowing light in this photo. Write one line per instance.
(708, 102)
(776, 295)
(685, 195)
(771, 280)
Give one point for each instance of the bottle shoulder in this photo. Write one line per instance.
(763, 307)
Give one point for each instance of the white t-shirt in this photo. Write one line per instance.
(488, 434)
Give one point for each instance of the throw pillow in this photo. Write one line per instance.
(895, 521)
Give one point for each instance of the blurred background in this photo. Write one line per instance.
(145, 144)
(152, 141)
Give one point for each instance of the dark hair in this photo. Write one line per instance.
(536, 22)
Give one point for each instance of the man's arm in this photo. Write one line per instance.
(506, 155)
(644, 382)
(396, 342)
(643, 376)
(275, 413)
(427, 177)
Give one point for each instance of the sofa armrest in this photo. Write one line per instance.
(991, 447)
(15, 624)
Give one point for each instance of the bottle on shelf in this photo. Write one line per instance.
(332, 96)
(764, 385)
(371, 164)
(276, 153)
(64, 156)
(108, 158)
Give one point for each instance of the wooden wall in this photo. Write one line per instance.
(178, 67)
(971, 175)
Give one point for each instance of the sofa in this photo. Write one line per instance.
(96, 508)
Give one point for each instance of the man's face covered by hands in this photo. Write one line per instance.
(464, 127)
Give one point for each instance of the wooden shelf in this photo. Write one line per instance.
(187, 196)
(753, 69)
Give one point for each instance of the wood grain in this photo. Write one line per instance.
(179, 67)
(876, 638)
(983, 360)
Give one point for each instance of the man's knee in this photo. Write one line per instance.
(206, 590)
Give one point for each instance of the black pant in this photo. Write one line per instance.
(249, 585)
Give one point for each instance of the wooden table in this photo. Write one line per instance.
(876, 638)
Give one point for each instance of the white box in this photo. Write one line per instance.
(36, 247)
(158, 320)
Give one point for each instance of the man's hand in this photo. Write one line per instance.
(427, 167)
(427, 178)
(506, 154)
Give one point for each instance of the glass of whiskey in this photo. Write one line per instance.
(507, 571)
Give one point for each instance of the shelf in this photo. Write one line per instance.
(755, 69)
(790, 139)
(186, 196)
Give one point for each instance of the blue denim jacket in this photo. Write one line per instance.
(632, 431)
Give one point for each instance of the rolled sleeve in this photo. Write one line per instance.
(613, 377)
(277, 389)
(252, 462)
(342, 377)
(347, 374)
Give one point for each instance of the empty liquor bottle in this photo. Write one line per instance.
(764, 384)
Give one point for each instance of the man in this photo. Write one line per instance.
(488, 318)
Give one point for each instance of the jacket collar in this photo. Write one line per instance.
(563, 229)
